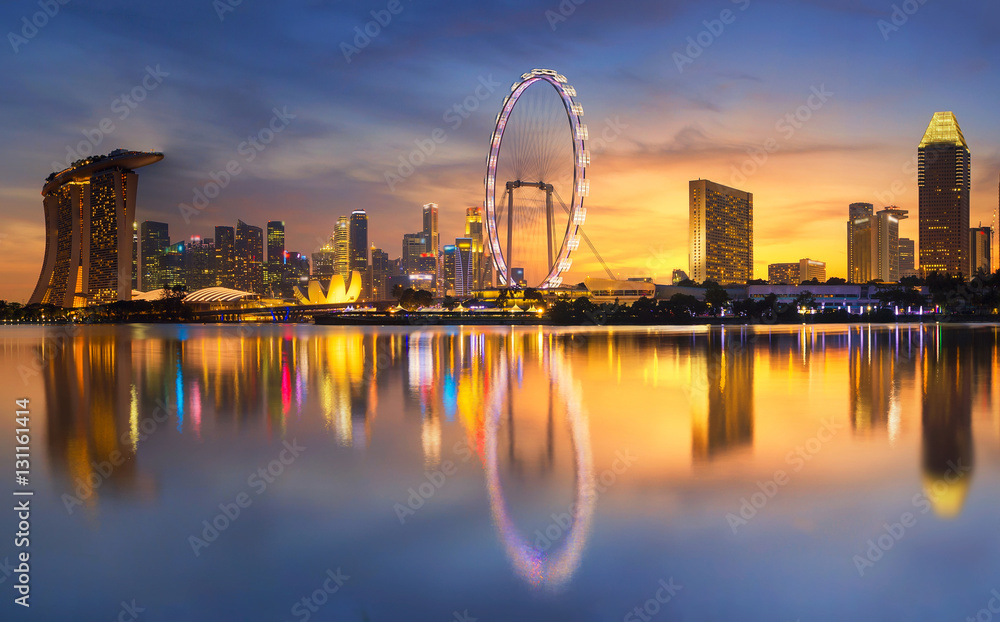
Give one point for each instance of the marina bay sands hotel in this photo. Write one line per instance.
(89, 210)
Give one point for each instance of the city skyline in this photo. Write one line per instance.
(710, 119)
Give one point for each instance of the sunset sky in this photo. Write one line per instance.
(215, 72)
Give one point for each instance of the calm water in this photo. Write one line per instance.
(496, 474)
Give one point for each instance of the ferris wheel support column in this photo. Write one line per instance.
(549, 217)
(510, 229)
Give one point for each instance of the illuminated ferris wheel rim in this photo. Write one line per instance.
(581, 186)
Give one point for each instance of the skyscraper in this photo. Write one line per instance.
(380, 274)
(860, 235)
(89, 211)
(274, 268)
(464, 267)
(276, 241)
(944, 180)
(414, 245)
(135, 255)
(154, 238)
(249, 258)
(433, 240)
(199, 263)
(907, 258)
(873, 243)
(358, 250)
(886, 264)
(225, 257)
(980, 250)
(721, 233)
(448, 255)
(474, 231)
(173, 273)
(323, 260)
(341, 248)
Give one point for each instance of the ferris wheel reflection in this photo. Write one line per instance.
(553, 564)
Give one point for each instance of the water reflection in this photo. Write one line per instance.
(552, 561)
(722, 400)
(522, 400)
(955, 364)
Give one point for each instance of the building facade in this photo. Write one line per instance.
(907, 258)
(721, 233)
(380, 274)
(342, 248)
(474, 232)
(225, 257)
(944, 171)
(249, 258)
(873, 243)
(154, 238)
(980, 250)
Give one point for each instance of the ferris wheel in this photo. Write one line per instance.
(536, 180)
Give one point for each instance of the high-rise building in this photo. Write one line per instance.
(274, 267)
(358, 250)
(448, 256)
(135, 255)
(464, 267)
(225, 257)
(886, 264)
(944, 180)
(89, 211)
(414, 245)
(860, 235)
(721, 233)
(433, 240)
(199, 263)
(873, 243)
(980, 250)
(783, 274)
(907, 258)
(380, 274)
(154, 238)
(341, 248)
(323, 260)
(249, 258)
(358, 253)
(810, 269)
(173, 273)
(276, 241)
(474, 231)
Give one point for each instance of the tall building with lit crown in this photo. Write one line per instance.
(474, 232)
(721, 233)
(89, 211)
(944, 178)
(342, 248)
(323, 260)
(464, 267)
